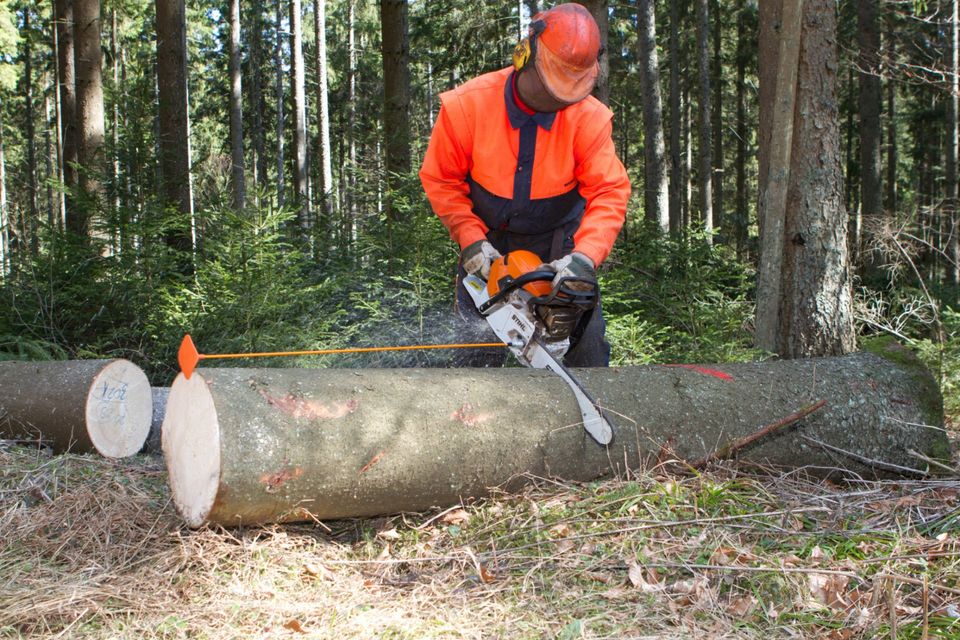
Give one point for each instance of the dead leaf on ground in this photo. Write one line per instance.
(641, 579)
(561, 530)
(741, 606)
(829, 589)
(294, 625)
(389, 534)
(457, 516)
(317, 570)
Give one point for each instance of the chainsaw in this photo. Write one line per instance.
(535, 319)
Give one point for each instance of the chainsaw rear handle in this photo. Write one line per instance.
(560, 294)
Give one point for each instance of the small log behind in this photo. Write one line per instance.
(267, 445)
(152, 444)
(81, 406)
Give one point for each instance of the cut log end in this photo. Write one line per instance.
(118, 409)
(191, 446)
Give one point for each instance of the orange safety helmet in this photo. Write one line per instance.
(564, 43)
(514, 265)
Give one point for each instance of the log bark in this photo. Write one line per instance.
(81, 406)
(152, 443)
(266, 445)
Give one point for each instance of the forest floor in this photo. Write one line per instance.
(93, 548)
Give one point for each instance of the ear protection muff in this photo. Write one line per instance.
(526, 49)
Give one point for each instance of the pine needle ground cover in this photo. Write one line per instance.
(91, 548)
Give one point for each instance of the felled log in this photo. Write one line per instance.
(81, 406)
(152, 443)
(268, 445)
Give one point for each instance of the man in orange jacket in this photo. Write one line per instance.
(523, 158)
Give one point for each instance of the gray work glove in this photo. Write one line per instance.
(477, 258)
(574, 264)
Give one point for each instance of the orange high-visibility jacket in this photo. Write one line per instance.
(493, 169)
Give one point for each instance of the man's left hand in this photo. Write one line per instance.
(573, 265)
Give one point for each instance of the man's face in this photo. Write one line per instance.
(534, 94)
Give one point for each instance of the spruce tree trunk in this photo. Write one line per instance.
(952, 149)
(890, 198)
(278, 64)
(396, 95)
(89, 108)
(804, 305)
(298, 81)
(742, 217)
(716, 73)
(5, 265)
(236, 111)
(173, 116)
(82, 406)
(68, 104)
(871, 182)
(599, 10)
(259, 105)
(706, 135)
(676, 179)
(32, 212)
(324, 165)
(351, 210)
(244, 446)
(656, 185)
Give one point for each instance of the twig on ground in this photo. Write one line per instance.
(931, 461)
(728, 450)
(879, 464)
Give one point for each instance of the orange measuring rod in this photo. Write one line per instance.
(189, 357)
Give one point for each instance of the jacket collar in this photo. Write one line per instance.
(516, 115)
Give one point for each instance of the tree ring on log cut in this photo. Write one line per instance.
(118, 409)
(190, 439)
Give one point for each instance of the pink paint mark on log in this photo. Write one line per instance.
(303, 408)
(704, 370)
(374, 460)
(468, 417)
(274, 481)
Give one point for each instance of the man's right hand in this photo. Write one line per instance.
(477, 258)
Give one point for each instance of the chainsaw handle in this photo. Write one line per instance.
(583, 299)
(509, 284)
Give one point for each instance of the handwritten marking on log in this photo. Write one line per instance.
(303, 408)
(274, 481)
(704, 370)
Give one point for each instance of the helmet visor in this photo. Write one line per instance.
(565, 82)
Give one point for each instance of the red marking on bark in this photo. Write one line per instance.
(374, 460)
(467, 417)
(873, 384)
(705, 370)
(274, 481)
(303, 408)
(906, 403)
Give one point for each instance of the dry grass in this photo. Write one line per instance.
(91, 548)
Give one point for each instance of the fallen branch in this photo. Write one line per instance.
(878, 464)
(931, 461)
(727, 451)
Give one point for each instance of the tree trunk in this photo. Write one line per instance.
(396, 95)
(676, 180)
(82, 406)
(351, 210)
(706, 136)
(120, 221)
(890, 202)
(805, 307)
(236, 110)
(324, 165)
(278, 63)
(298, 81)
(246, 446)
(871, 182)
(33, 221)
(656, 192)
(173, 113)
(5, 265)
(89, 107)
(259, 105)
(599, 10)
(75, 221)
(742, 217)
(719, 221)
(49, 160)
(952, 148)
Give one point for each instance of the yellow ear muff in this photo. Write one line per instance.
(521, 54)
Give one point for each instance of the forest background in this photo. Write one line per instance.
(247, 174)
